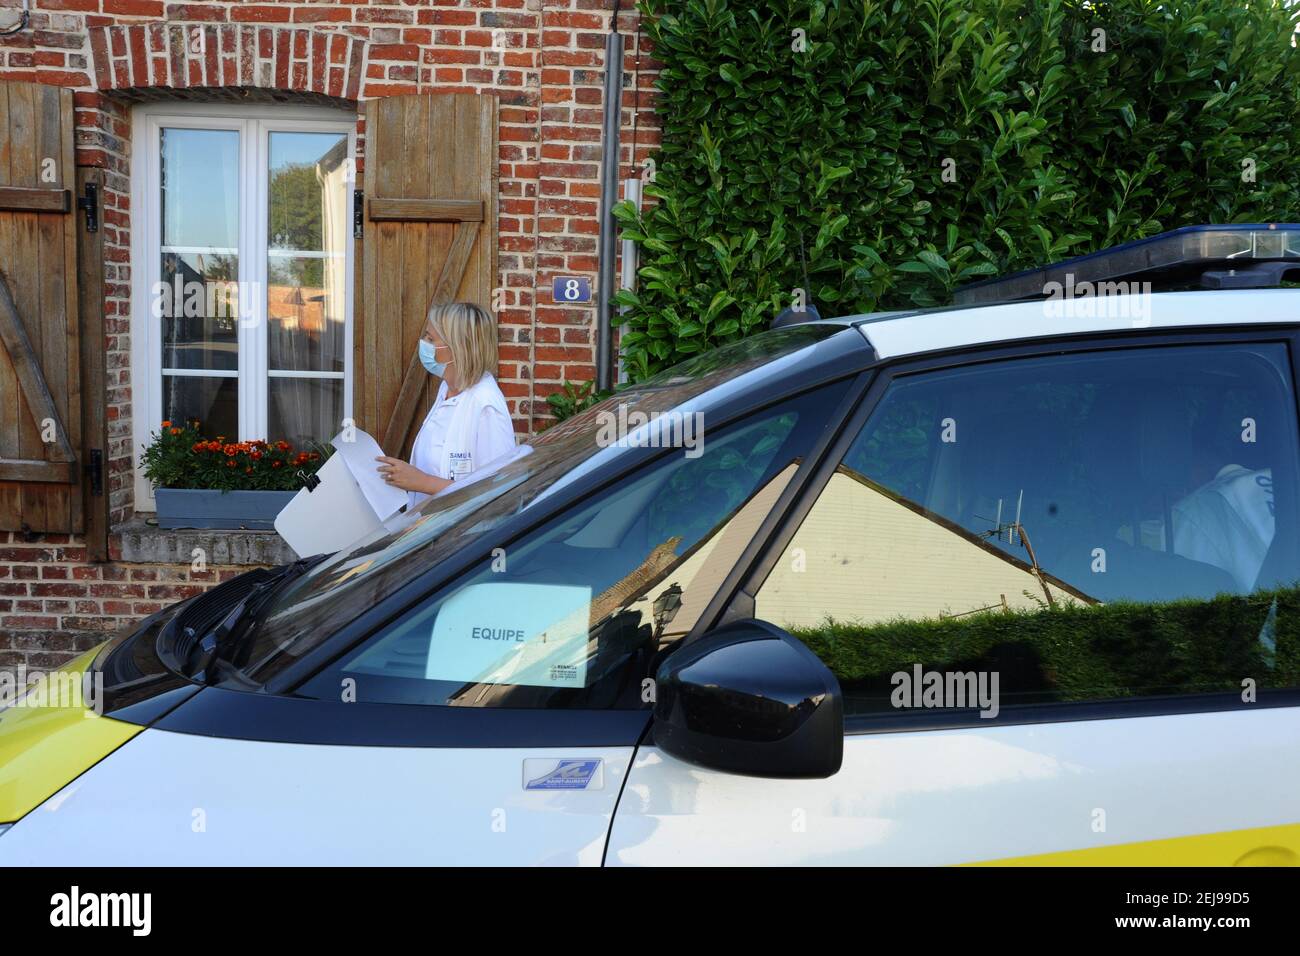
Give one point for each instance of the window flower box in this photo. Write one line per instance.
(217, 484)
(219, 510)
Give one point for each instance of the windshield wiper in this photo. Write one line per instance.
(223, 641)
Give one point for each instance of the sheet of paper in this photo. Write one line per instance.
(360, 454)
(508, 633)
(332, 515)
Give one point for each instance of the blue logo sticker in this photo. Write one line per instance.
(567, 775)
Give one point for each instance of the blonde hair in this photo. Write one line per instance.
(471, 334)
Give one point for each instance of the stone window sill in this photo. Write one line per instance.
(138, 541)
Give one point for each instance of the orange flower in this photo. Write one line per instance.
(257, 456)
(167, 424)
(283, 445)
(276, 464)
(197, 446)
(248, 470)
(176, 431)
(230, 464)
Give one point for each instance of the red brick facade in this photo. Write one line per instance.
(543, 59)
(55, 604)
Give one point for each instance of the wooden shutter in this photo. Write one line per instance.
(430, 235)
(42, 458)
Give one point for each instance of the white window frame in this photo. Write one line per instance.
(254, 123)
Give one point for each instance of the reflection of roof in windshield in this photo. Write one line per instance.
(653, 402)
(699, 377)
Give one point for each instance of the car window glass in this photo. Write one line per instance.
(576, 613)
(1083, 527)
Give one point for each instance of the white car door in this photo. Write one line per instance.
(1057, 592)
(1105, 792)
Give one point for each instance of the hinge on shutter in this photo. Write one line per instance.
(358, 213)
(95, 472)
(90, 203)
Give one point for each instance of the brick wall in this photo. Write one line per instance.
(54, 604)
(543, 59)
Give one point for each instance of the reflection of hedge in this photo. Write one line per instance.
(1079, 652)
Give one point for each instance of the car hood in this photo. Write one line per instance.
(52, 734)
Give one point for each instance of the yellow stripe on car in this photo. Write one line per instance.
(43, 747)
(1261, 846)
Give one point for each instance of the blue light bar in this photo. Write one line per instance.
(1184, 252)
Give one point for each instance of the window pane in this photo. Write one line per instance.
(308, 200)
(1085, 527)
(199, 308)
(200, 188)
(213, 401)
(580, 612)
(302, 410)
(305, 311)
(197, 300)
(308, 214)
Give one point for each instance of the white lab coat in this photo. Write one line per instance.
(463, 434)
(1228, 523)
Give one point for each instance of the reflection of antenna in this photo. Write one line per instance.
(803, 265)
(1016, 534)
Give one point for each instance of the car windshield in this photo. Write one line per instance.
(340, 588)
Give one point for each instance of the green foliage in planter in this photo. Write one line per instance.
(1081, 652)
(915, 145)
(180, 456)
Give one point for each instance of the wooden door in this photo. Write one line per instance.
(429, 236)
(43, 439)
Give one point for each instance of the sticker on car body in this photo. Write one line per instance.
(570, 773)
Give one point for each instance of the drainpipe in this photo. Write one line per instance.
(631, 257)
(608, 197)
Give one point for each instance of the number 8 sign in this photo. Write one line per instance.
(567, 290)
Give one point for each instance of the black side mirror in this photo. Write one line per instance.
(749, 698)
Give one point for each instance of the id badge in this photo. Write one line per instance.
(461, 465)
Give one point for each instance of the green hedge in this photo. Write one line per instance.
(1081, 652)
(836, 156)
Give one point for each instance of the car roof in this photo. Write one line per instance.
(896, 334)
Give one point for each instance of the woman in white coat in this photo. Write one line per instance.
(468, 427)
